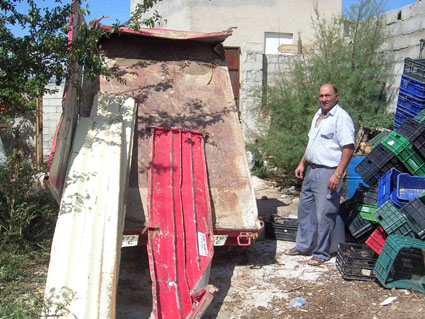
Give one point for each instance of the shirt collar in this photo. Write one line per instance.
(331, 112)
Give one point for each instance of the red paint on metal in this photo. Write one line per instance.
(180, 233)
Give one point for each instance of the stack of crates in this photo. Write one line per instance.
(396, 167)
(357, 212)
(411, 98)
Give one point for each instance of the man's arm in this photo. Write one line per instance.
(347, 153)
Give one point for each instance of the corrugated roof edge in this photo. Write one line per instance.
(213, 37)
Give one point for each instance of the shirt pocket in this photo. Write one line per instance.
(327, 134)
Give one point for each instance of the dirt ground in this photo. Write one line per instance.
(260, 281)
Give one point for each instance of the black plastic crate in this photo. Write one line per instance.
(347, 211)
(379, 161)
(356, 261)
(415, 213)
(366, 195)
(415, 133)
(361, 228)
(281, 228)
(415, 69)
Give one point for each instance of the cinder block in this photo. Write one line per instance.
(413, 24)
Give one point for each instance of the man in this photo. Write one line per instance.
(329, 150)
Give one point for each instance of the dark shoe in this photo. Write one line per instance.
(316, 261)
(292, 252)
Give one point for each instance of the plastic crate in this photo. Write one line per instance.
(415, 133)
(356, 261)
(281, 228)
(412, 102)
(401, 263)
(387, 188)
(403, 113)
(415, 213)
(376, 240)
(365, 211)
(366, 195)
(379, 161)
(403, 149)
(360, 227)
(420, 118)
(413, 86)
(347, 211)
(393, 221)
(378, 139)
(414, 69)
(409, 187)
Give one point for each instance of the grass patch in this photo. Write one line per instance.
(23, 273)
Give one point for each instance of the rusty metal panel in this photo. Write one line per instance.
(209, 37)
(84, 262)
(180, 232)
(184, 84)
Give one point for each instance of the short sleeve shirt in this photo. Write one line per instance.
(325, 142)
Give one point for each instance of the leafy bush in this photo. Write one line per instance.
(347, 53)
(27, 211)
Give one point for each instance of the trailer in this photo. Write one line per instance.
(187, 158)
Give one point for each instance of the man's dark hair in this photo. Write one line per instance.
(333, 86)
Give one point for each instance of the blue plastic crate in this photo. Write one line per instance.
(403, 113)
(409, 187)
(387, 188)
(410, 101)
(413, 86)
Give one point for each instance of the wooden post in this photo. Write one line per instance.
(39, 132)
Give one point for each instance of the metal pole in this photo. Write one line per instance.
(39, 132)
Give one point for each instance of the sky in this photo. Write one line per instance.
(120, 9)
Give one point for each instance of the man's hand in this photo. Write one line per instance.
(299, 171)
(333, 182)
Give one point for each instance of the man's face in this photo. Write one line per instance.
(327, 98)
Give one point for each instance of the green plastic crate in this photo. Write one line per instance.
(401, 263)
(366, 211)
(401, 147)
(420, 117)
(378, 138)
(393, 221)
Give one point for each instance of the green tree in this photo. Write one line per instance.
(348, 53)
(29, 62)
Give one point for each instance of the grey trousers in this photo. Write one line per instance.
(317, 212)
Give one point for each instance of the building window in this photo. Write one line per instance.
(273, 40)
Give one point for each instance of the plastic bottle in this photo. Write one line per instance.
(297, 302)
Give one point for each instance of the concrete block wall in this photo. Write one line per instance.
(251, 80)
(52, 110)
(404, 28)
(257, 69)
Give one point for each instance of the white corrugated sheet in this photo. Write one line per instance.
(84, 264)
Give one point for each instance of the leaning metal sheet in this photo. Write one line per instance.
(184, 84)
(180, 229)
